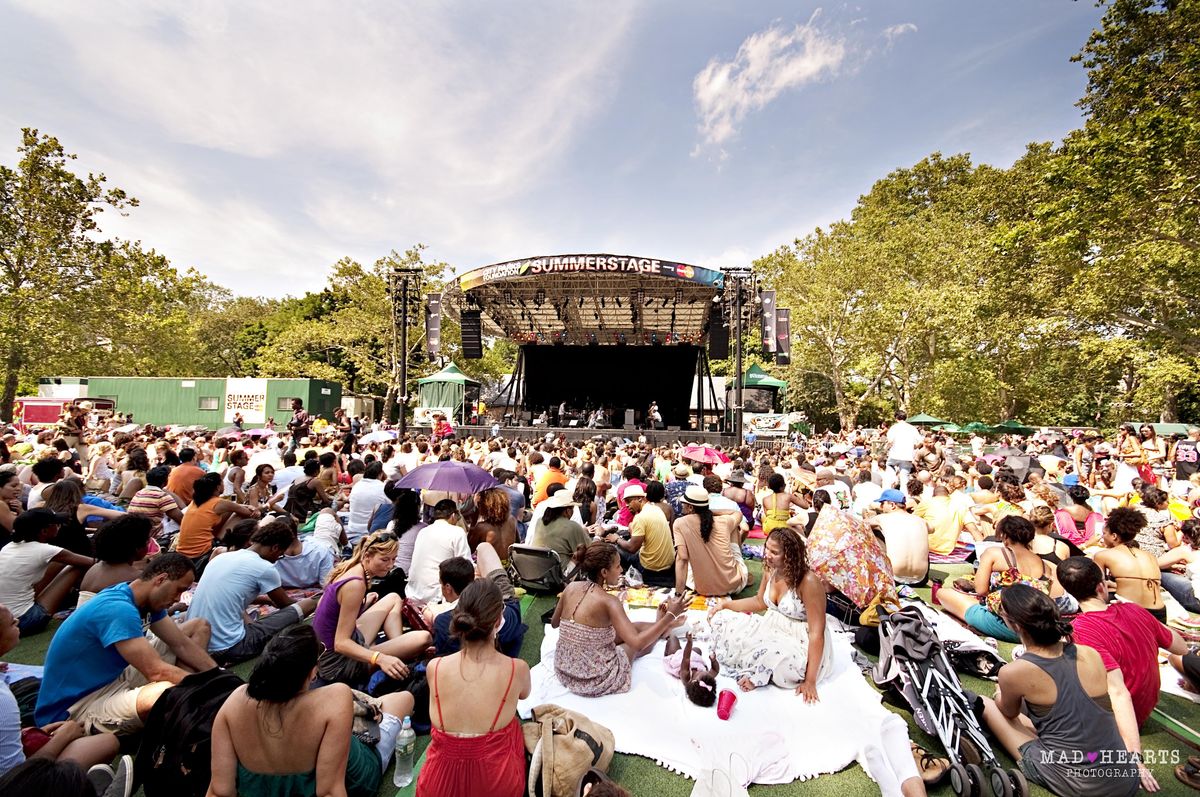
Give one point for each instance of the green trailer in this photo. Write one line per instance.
(205, 401)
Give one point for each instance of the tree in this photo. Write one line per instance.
(48, 247)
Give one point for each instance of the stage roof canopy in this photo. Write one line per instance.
(590, 299)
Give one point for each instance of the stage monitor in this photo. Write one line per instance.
(615, 378)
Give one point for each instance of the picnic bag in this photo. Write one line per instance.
(175, 758)
(563, 745)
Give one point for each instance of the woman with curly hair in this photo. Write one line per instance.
(133, 473)
(786, 645)
(494, 523)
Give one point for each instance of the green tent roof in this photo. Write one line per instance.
(976, 426)
(1012, 425)
(1170, 428)
(952, 428)
(448, 374)
(928, 420)
(757, 377)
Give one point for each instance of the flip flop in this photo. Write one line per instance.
(933, 769)
(1188, 774)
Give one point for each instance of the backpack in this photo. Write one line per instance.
(175, 757)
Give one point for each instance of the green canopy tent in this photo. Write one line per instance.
(1013, 427)
(449, 387)
(926, 420)
(975, 427)
(757, 377)
(1168, 429)
(952, 428)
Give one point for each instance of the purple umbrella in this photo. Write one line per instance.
(449, 476)
(262, 433)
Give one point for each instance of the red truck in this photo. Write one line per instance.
(34, 412)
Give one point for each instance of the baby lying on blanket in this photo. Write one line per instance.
(699, 677)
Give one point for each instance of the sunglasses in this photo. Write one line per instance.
(382, 536)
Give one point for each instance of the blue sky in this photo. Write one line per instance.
(267, 140)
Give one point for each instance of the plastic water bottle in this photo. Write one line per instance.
(406, 745)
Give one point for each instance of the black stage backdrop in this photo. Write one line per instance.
(616, 377)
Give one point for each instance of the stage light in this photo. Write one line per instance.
(639, 296)
(508, 298)
(539, 297)
(618, 300)
(678, 295)
(602, 301)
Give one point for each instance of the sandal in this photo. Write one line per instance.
(1188, 773)
(933, 769)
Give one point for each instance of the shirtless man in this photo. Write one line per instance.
(905, 536)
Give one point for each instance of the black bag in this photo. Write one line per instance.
(175, 757)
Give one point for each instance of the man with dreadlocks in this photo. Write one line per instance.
(708, 557)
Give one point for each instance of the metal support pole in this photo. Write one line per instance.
(737, 409)
(403, 355)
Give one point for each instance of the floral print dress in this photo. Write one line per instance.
(770, 647)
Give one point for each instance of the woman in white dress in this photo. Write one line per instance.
(786, 645)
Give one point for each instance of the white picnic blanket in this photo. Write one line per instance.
(773, 736)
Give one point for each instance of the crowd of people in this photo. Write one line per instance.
(176, 551)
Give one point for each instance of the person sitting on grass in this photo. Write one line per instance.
(121, 549)
(291, 739)
(1135, 571)
(233, 581)
(1128, 639)
(456, 574)
(205, 519)
(1064, 689)
(63, 741)
(477, 748)
(348, 620)
(786, 644)
(103, 672)
(999, 568)
(597, 642)
(37, 577)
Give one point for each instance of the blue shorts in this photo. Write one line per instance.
(33, 621)
(988, 623)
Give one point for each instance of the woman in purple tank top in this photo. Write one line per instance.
(348, 620)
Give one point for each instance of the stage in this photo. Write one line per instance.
(576, 434)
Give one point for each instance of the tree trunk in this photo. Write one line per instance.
(389, 403)
(12, 373)
(1170, 408)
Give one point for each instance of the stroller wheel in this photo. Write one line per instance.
(998, 779)
(1019, 784)
(960, 781)
(978, 781)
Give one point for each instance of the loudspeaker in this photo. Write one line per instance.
(472, 334)
(783, 336)
(768, 321)
(433, 324)
(718, 335)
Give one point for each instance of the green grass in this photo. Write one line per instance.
(643, 778)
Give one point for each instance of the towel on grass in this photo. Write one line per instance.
(773, 736)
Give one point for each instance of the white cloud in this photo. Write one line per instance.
(385, 124)
(893, 32)
(767, 64)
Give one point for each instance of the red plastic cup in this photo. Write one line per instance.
(725, 702)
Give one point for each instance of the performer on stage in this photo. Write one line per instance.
(653, 416)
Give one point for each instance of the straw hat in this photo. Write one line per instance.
(695, 495)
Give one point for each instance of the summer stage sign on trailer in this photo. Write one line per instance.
(247, 396)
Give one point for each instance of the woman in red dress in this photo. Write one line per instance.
(477, 747)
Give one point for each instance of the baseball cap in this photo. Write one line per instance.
(895, 496)
(34, 521)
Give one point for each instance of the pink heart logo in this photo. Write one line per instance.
(1091, 757)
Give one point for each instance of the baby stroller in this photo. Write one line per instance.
(913, 664)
